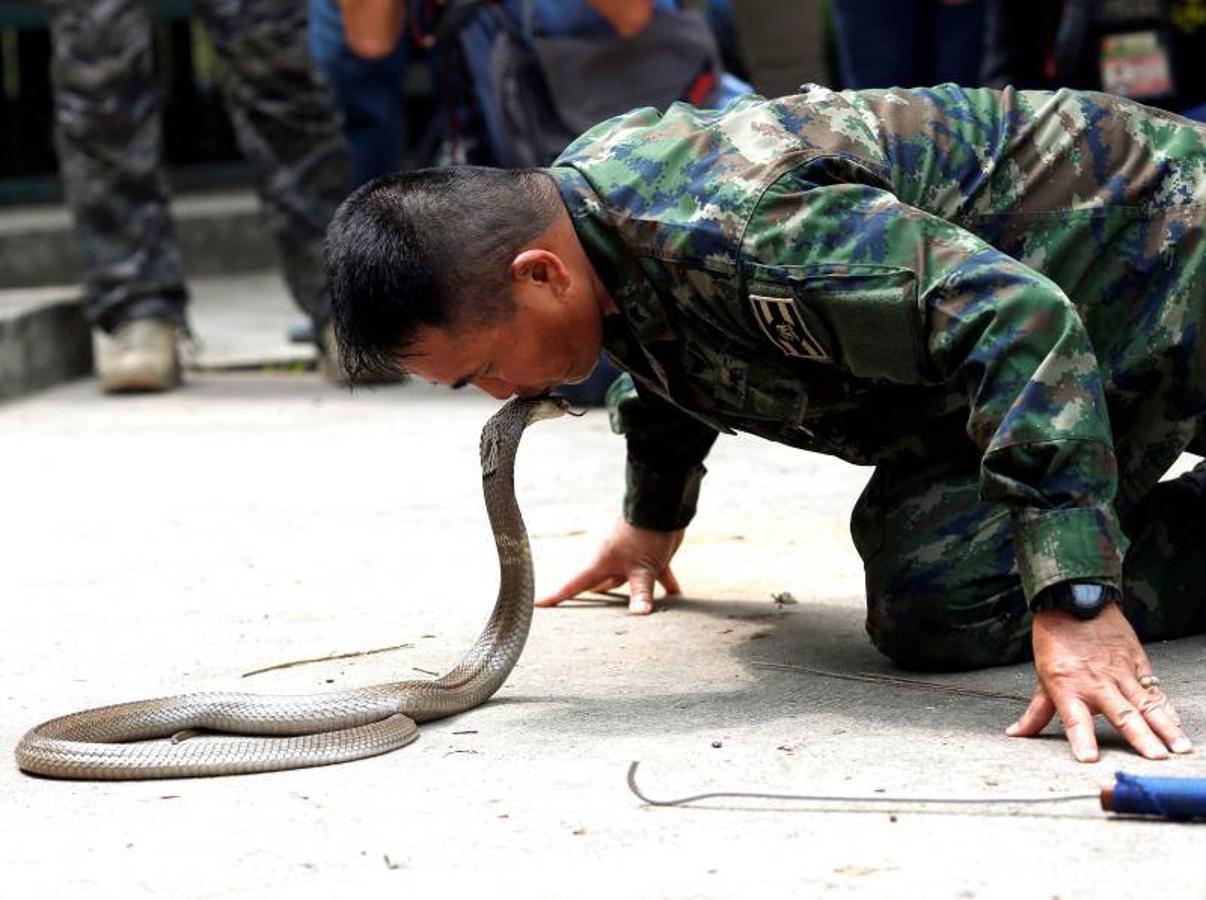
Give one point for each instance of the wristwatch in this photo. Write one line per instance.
(1084, 599)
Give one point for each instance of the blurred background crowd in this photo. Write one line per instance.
(111, 104)
(415, 85)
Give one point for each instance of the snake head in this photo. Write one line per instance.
(501, 434)
(549, 406)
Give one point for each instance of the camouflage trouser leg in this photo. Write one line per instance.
(782, 44)
(942, 584)
(287, 127)
(107, 133)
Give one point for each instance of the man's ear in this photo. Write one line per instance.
(542, 267)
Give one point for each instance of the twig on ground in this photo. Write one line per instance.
(327, 658)
(876, 678)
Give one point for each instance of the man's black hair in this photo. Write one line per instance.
(429, 248)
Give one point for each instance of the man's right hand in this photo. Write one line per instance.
(629, 554)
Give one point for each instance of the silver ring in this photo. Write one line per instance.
(1148, 681)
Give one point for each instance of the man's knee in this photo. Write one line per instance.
(942, 590)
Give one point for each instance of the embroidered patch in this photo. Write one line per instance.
(785, 326)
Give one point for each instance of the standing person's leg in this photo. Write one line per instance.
(781, 43)
(288, 128)
(476, 42)
(370, 93)
(107, 133)
(957, 42)
(881, 43)
(942, 584)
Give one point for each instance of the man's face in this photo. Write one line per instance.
(554, 337)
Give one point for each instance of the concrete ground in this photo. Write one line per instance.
(163, 544)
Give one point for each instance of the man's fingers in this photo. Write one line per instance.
(669, 582)
(1036, 716)
(583, 581)
(1129, 721)
(1078, 726)
(640, 592)
(1160, 716)
(594, 579)
(607, 584)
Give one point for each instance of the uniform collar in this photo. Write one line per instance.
(640, 336)
(645, 324)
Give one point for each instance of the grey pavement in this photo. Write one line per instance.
(44, 339)
(239, 322)
(161, 544)
(242, 322)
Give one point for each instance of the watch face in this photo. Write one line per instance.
(1083, 600)
(1087, 599)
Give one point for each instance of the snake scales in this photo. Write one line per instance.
(292, 732)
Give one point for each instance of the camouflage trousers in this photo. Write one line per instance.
(942, 587)
(107, 132)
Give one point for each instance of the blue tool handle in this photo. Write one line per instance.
(1141, 795)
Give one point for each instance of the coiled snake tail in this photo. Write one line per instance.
(259, 733)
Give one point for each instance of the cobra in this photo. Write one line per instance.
(263, 733)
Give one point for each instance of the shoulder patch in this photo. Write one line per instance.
(782, 322)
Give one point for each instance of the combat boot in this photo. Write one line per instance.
(141, 355)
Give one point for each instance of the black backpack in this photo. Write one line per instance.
(548, 90)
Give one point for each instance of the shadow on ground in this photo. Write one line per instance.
(828, 639)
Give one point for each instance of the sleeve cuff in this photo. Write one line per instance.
(659, 500)
(1077, 544)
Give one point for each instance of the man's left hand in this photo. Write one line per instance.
(1094, 666)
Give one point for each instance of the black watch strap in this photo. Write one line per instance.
(1083, 599)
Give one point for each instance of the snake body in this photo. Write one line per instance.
(262, 733)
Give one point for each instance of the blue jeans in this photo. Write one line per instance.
(908, 43)
(368, 91)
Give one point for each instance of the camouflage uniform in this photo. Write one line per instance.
(108, 131)
(993, 297)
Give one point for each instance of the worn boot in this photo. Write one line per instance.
(141, 355)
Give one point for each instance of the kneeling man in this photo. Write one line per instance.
(995, 298)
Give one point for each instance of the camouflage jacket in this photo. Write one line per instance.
(893, 275)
